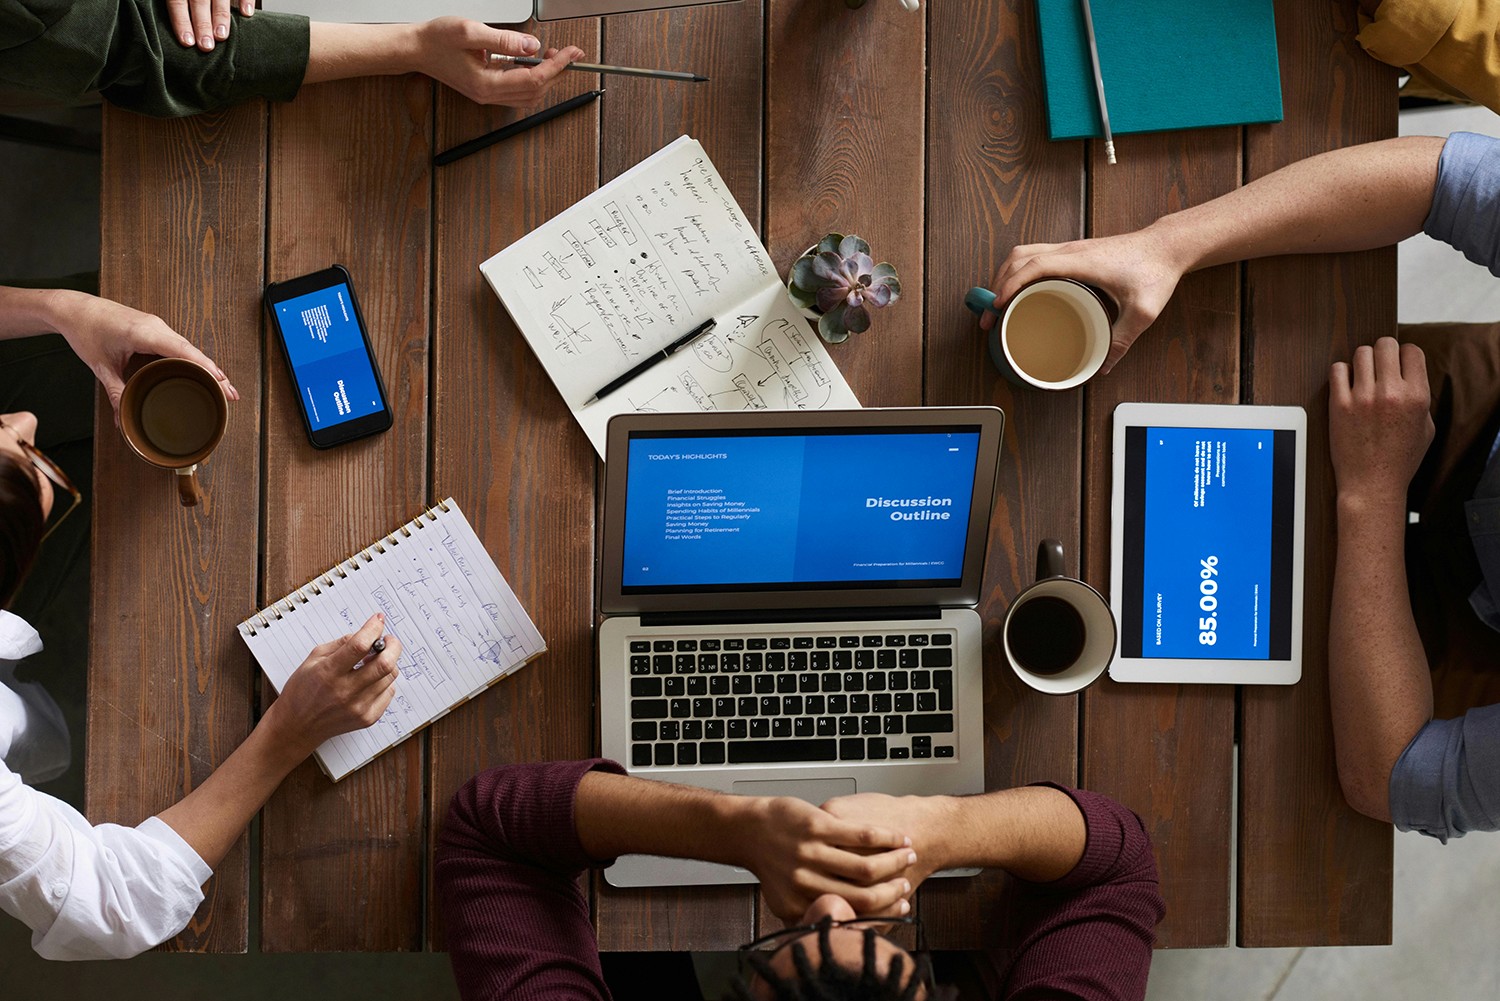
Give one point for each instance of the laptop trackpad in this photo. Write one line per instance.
(815, 791)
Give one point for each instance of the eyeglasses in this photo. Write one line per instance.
(777, 940)
(53, 472)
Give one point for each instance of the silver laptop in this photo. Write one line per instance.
(790, 605)
(489, 11)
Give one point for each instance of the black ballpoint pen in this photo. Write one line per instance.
(505, 132)
(652, 360)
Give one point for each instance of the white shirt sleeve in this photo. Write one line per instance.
(105, 892)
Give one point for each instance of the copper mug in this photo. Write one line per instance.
(173, 413)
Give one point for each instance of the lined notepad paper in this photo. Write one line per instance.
(460, 625)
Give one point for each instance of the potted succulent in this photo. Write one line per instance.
(839, 283)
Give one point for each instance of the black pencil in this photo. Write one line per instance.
(514, 128)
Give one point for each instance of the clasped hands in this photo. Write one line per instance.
(872, 850)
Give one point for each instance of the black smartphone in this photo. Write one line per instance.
(327, 349)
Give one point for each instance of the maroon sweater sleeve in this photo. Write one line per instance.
(1089, 935)
(507, 871)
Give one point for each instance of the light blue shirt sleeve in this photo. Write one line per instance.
(1447, 781)
(1465, 209)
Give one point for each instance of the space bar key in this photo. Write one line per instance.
(744, 752)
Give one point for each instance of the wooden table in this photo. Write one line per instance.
(876, 121)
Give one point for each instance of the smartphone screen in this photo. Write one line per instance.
(328, 351)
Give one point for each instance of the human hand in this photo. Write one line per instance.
(201, 22)
(332, 692)
(1138, 270)
(923, 819)
(1379, 425)
(800, 853)
(455, 51)
(105, 334)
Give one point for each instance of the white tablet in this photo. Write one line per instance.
(1207, 512)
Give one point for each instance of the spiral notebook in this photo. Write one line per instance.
(461, 626)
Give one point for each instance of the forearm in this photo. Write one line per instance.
(212, 817)
(619, 815)
(1348, 199)
(28, 311)
(1034, 832)
(341, 51)
(1378, 677)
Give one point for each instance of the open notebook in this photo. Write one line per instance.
(460, 625)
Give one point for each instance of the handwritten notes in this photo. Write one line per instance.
(460, 625)
(633, 267)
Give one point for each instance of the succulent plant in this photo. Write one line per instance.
(840, 280)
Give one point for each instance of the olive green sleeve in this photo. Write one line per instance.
(124, 50)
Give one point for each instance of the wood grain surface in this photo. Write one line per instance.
(171, 687)
(522, 470)
(1312, 871)
(350, 183)
(996, 182)
(1166, 751)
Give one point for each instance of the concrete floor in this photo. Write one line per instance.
(1446, 907)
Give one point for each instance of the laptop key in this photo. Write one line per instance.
(931, 723)
(874, 681)
(674, 686)
(802, 726)
(838, 704)
(781, 727)
(864, 660)
(827, 726)
(663, 646)
(893, 724)
(718, 686)
(848, 641)
(681, 708)
(703, 708)
(760, 728)
(640, 646)
(943, 751)
(942, 639)
(927, 702)
(734, 644)
(827, 642)
(711, 754)
(885, 659)
(640, 664)
(869, 726)
(648, 709)
(895, 641)
(747, 706)
(911, 658)
(708, 645)
(645, 687)
(670, 729)
(843, 660)
(921, 752)
(708, 663)
(817, 705)
(686, 663)
(945, 700)
(729, 663)
(802, 643)
(687, 754)
(852, 749)
(854, 681)
(791, 705)
(906, 702)
(742, 685)
(882, 703)
(665, 754)
(737, 729)
(695, 685)
(832, 683)
(640, 755)
(692, 729)
(764, 684)
(724, 707)
(781, 643)
(937, 657)
(755, 662)
(807, 683)
(661, 664)
(859, 704)
(899, 681)
(755, 643)
(771, 751)
(900, 753)
(770, 705)
(714, 729)
(797, 660)
(921, 680)
(848, 726)
(687, 644)
(819, 660)
(875, 747)
(775, 661)
(916, 639)
(643, 731)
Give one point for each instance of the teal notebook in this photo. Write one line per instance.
(1167, 64)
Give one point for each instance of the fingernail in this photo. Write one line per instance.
(380, 616)
(207, 42)
(248, 10)
(911, 858)
(187, 39)
(530, 44)
(906, 883)
(905, 907)
(906, 842)
(222, 31)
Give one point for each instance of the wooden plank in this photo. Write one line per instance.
(350, 183)
(996, 182)
(640, 117)
(1167, 751)
(1312, 871)
(844, 154)
(170, 684)
(504, 444)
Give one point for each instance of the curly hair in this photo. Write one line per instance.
(21, 524)
(832, 981)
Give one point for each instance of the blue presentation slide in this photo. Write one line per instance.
(327, 349)
(1206, 580)
(798, 508)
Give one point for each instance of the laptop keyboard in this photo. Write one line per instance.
(776, 699)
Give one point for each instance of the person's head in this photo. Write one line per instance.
(27, 499)
(826, 958)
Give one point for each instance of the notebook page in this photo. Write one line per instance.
(460, 625)
(635, 266)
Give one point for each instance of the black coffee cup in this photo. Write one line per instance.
(1059, 634)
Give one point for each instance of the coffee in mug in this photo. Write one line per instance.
(1059, 634)
(173, 413)
(1054, 334)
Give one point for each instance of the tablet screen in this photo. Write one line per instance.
(1207, 548)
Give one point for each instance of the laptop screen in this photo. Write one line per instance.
(798, 508)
